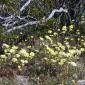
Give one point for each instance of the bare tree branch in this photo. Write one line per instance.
(22, 26)
(11, 21)
(56, 10)
(25, 5)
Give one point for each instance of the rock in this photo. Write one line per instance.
(21, 80)
(81, 82)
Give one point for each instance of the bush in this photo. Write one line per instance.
(52, 54)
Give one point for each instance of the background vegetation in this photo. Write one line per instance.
(50, 54)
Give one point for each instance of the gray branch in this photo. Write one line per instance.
(25, 5)
(22, 26)
(10, 22)
(58, 11)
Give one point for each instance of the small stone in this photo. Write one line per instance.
(81, 82)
